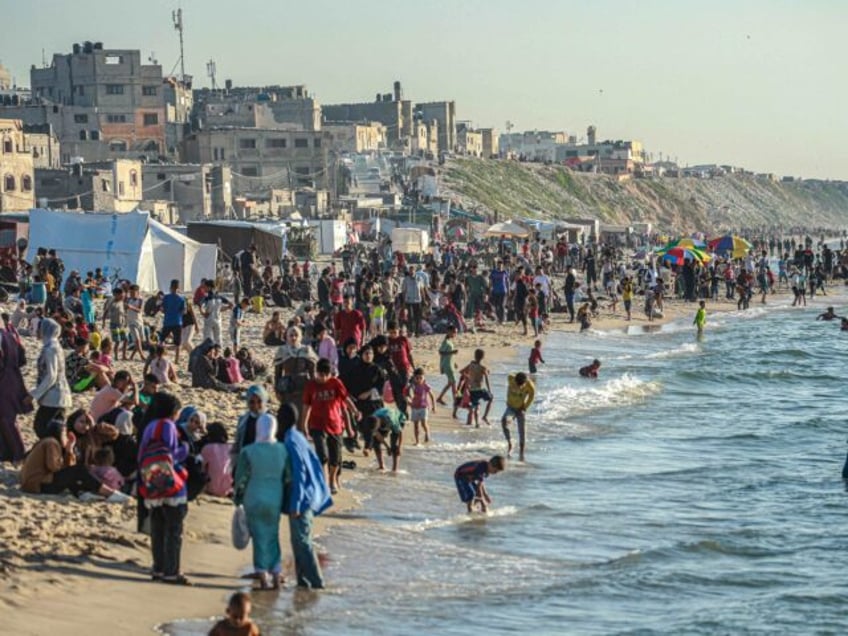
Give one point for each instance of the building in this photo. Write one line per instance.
(17, 191)
(445, 114)
(532, 145)
(389, 109)
(195, 192)
(352, 137)
(490, 142)
(44, 145)
(468, 141)
(277, 107)
(5, 78)
(110, 186)
(261, 158)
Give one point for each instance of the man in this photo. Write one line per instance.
(246, 265)
(349, 323)
(211, 310)
(173, 306)
(569, 290)
(412, 299)
(116, 311)
(499, 280)
(475, 285)
(520, 395)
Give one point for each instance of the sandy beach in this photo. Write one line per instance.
(71, 567)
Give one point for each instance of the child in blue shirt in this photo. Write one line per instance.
(469, 481)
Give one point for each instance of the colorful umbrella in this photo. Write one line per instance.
(678, 255)
(736, 246)
(686, 243)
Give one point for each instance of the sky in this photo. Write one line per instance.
(753, 83)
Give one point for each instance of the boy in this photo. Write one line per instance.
(701, 317)
(381, 424)
(477, 375)
(447, 351)
(519, 398)
(324, 400)
(627, 295)
(590, 370)
(135, 324)
(469, 481)
(421, 392)
(237, 622)
(535, 357)
(116, 311)
(237, 321)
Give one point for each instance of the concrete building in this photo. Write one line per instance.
(195, 192)
(445, 114)
(490, 142)
(608, 157)
(113, 186)
(276, 107)
(44, 145)
(356, 137)
(389, 109)
(469, 141)
(17, 191)
(532, 145)
(262, 159)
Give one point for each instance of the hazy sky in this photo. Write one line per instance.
(760, 84)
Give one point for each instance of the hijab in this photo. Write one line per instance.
(259, 391)
(266, 429)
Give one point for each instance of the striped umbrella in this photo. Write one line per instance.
(736, 246)
(678, 255)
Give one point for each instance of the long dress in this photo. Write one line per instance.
(259, 488)
(11, 397)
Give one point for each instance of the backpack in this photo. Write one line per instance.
(159, 477)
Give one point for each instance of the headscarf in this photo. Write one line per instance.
(49, 331)
(185, 416)
(259, 391)
(266, 429)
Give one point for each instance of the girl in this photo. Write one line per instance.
(421, 393)
(378, 315)
(161, 367)
(216, 461)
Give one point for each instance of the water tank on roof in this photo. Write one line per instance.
(87, 47)
(98, 46)
(77, 49)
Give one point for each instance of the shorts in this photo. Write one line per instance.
(419, 415)
(479, 394)
(175, 331)
(328, 447)
(532, 367)
(119, 334)
(136, 330)
(627, 305)
(83, 384)
(466, 489)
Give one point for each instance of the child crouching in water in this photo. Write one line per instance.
(384, 427)
(421, 393)
(469, 481)
(237, 622)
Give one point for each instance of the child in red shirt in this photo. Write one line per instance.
(324, 401)
(536, 356)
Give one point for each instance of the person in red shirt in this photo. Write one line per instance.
(536, 356)
(324, 400)
(349, 323)
(200, 293)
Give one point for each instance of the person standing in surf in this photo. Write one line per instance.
(701, 317)
(520, 394)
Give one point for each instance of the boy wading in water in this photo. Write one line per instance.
(469, 481)
(701, 317)
(519, 397)
(479, 388)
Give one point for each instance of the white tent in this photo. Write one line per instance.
(130, 245)
(508, 228)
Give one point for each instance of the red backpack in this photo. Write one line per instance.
(159, 477)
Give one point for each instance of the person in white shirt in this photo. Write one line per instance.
(211, 309)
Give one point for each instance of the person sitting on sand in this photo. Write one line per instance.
(237, 622)
(82, 372)
(469, 478)
(103, 469)
(216, 461)
(273, 334)
(590, 370)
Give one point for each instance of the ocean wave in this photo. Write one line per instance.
(590, 396)
(689, 347)
(456, 520)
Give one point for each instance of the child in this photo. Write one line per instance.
(535, 356)
(115, 310)
(326, 347)
(584, 317)
(237, 622)
(421, 391)
(612, 293)
(81, 328)
(520, 394)
(590, 370)
(532, 307)
(324, 400)
(230, 368)
(104, 469)
(447, 351)
(469, 481)
(627, 295)
(378, 316)
(94, 338)
(237, 321)
(381, 424)
(161, 367)
(216, 461)
(476, 376)
(104, 356)
(701, 317)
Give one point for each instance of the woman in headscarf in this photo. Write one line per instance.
(258, 486)
(257, 404)
(13, 397)
(294, 366)
(52, 392)
(366, 385)
(191, 428)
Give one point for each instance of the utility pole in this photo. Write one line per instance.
(177, 17)
(211, 69)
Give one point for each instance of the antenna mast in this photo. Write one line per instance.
(211, 69)
(177, 17)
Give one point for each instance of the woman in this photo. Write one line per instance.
(52, 392)
(272, 334)
(258, 486)
(166, 513)
(294, 366)
(366, 386)
(13, 397)
(257, 405)
(90, 437)
(51, 468)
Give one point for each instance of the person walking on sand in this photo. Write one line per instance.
(701, 317)
(447, 351)
(520, 395)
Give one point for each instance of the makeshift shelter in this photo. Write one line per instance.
(234, 236)
(130, 246)
(508, 228)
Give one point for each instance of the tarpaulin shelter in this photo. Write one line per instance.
(234, 236)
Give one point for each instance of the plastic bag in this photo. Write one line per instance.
(240, 532)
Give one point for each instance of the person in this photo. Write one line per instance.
(584, 316)
(258, 486)
(237, 621)
(306, 495)
(167, 509)
(447, 351)
(273, 333)
(590, 370)
(294, 366)
(479, 389)
(51, 468)
(701, 317)
(217, 466)
(469, 478)
(82, 372)
(103, 469)
(384, 427)
(535, 357)
(189, 327)
(173, 307)
(13, 397)
(52, 391)
(237, 321)
(324, 399)
(327, 347)
(519, 397)
(116, 311)
(627, 296)
(257, 400)
(828, 315)
(109, 400)
(400, 351)
(413, 295)
(349, 322)
(421, 393)
(135, 323)
(378, 316)
(161, 367)
(211, 311)
(844, 325)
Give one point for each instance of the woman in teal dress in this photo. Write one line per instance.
(261, 470)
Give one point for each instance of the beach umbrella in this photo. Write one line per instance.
(678, 255)
(508, 228)
(687, 243)
(736, 246)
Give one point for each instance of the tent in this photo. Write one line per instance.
(508, 228)
(234, 236)
(128, 245)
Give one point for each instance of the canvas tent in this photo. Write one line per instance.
(131, 244)
(234, 236)
(508, 228)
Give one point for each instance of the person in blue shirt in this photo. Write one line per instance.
(469, 480)
(499, 283)
(173, 306)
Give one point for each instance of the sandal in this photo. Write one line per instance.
(179, 579)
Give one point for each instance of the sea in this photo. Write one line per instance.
(694, 488)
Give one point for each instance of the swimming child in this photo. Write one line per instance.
(535, 356)
(469, 478)
(701, 316)
(519, 397)
(421, 392)
(590, 370)
(237, 622)
(384, 427)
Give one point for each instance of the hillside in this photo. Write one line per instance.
(515, 189)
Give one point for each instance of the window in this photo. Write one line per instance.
(114, 59)
(80, 90)
(81, 119)
(104, 185)
(317, 142)
(275, 143)
(250, 171)
(149, 91)
(94, 135)
(118, 146)
(151, 119)
(7, 146)
(222, 155)
(120, 188)
(247, 144)
(161, 176)
(116, 119)
(114, 89)
(83, 134)
(26, 183)
(301, 143)
(133, 178)
(215, 154)
(9, 183)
